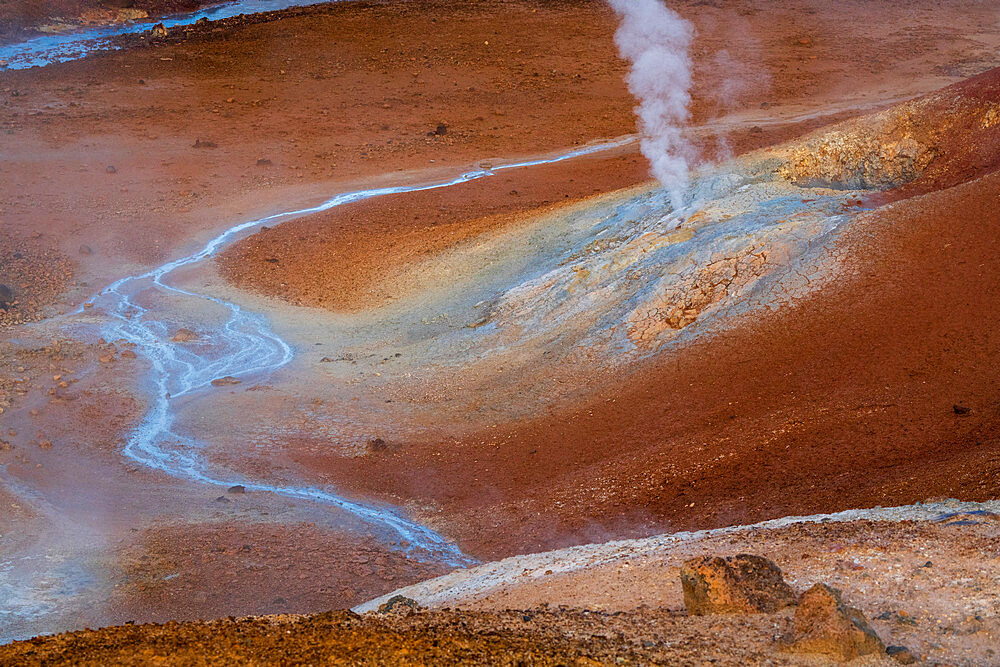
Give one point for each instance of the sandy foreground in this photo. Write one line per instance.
(877, 389)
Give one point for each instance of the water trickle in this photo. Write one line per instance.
(73, 45)
(240, 344)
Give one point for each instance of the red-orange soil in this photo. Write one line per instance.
(33, 275)
(339, 94)
(879, 389)
(358, 254)
(843, 399)
(192, 571)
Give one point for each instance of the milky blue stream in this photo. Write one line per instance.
(64, 46)
(244, 345)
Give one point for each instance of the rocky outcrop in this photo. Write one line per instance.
(743, 584)
(875, 155)
(942, 139)
(824, 625)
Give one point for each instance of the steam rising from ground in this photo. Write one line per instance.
(655, 40)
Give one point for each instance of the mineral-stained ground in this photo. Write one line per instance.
(536, 358)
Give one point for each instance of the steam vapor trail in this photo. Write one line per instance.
(655, 40)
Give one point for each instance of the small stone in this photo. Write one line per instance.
(85, 249)
(184, 336)
(960, 409)
(743, 584)
(6, 297)
(398, 603)
(901, 654)
(236, 488)
(222, 499)
(824, 625)
(263, 162)
(158, 30)
(225, 381)
(111, 169)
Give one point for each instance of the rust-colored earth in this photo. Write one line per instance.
(879, 389)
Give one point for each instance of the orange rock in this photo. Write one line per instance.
(743, 584)
(184, 336)
(824, 625)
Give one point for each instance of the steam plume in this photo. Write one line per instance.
(655, 40)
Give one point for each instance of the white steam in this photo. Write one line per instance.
(655, 40)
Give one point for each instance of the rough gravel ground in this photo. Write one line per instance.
(540, 636)
(932, 586)
(35, 273)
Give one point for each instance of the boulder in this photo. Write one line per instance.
(743, 584)
(824, 625)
